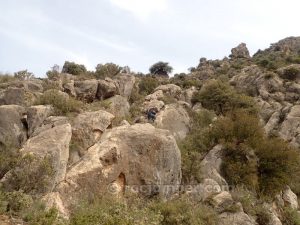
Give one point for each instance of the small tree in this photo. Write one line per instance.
(73, 68)
(107, 70)
(24, 75)
(161, 68)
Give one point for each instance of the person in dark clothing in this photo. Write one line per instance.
(151, 115)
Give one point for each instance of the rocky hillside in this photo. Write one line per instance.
(78, 148)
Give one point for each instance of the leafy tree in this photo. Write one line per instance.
(24, 75)
(222, 98)
(73, 68)
(107, 70)
(161, 68)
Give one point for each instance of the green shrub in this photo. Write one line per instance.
(107, 70)
(9, 157)
(238, 127)
(62, 103)
(195, 145)
(184, 211)
(277, 162)
(239, 166)
(73, 68)
(247, 198)
(31, 175)
(5, 78)
(23, 75)
(161, 68)
(147, 85)
(291, 73)
(262, 215)
(110, 211)
(290, 217)
(222, 98)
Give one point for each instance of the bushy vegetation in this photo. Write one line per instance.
(73, 68)
(222, 98)
(291, 73)
(107, 70)
(148, 84)
(108, 211)
(161, 69)
(62, 103)
(23, 75)
(31, 175)
(4, 78)
(9, 157)
(290, 217)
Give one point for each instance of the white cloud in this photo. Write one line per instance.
(141, 8)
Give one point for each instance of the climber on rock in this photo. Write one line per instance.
(152, 114)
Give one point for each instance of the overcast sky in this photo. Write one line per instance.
(36, 34)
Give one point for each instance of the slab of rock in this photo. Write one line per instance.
(170, 90)
(211, 166)
(238, 218)
(138, 158)
(290, 198)
(12, 127)
(69, 88)
(174, 118)
(125, 84)
(118, 106)
(241, 51)
(86, 90)
(53, 143)
(290, 128)
(106, 89)
(153, 104)
(36, 116)
(87, 129)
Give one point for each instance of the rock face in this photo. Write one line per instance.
(53, 143)
(36, 116)
(86, 90)
(170, 90)
(175, 119)
(137, 158)
(106, 89)
(119, 106)
(87, 129)
(125, 84)
(241, 51)
(12, 129)
(239, 218)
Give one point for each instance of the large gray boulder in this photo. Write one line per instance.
(174, 118)
(125, 84)
(86, 90)
(106, 89)
(170, 90)
(52, 143)
(87, 129)
(12, 126)
(290, 128)
(238, 218)
(36, 116)
(118, 106)
(138, 158)
(241, 51)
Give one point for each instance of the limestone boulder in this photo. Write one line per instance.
(52, 143)
(174, 118)
(86, 90)
(211, 166)
(170, 90)
(36, 115)
(106, 89)
(290, 128)
(153, 104)
(241, 51)
(13, 130)
(69, 88)
(118, 106)
(125, 84)
(87, 129)
(138, 158)
(290, 198)
(238, 218)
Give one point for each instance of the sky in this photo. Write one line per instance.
(36, 34)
